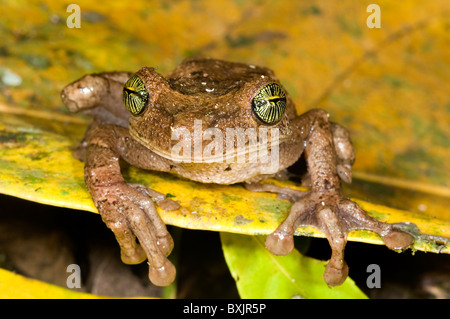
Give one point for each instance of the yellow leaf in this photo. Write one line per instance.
(14, 286)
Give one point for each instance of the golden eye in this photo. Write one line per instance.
(269, 104)
(135, 95)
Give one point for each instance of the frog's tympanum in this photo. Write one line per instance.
(136, 115)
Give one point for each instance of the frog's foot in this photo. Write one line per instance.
(129, 212)
(335, 217)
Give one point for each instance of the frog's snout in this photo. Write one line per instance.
(68, 101)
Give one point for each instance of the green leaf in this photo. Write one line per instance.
(260, 274)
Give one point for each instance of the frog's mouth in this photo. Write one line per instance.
(234, 146)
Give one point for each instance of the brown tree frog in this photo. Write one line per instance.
(135, 117)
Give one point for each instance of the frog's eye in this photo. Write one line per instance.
(269, 104)
(135, 95)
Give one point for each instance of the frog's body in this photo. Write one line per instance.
(203, 94)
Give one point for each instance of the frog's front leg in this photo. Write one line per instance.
(324, 207)
(127, 209)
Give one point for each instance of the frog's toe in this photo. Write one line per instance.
(356, 218)
(163, 202)
(163, 275)
(396, 239)
(165, 244)
(280, 243)
(335, 276)
(133, 257)
(345, 154)
(131, 252)
(168, 204)
(345, 172)
(288, 193)
(329, 222)
(155, 241)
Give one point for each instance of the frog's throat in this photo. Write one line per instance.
(250, 151)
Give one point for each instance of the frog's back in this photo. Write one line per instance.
(214, 77)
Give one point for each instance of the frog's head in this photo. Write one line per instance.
(201, 101)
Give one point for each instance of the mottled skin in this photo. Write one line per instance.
(176, 101)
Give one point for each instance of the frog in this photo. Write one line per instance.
(135, 116)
